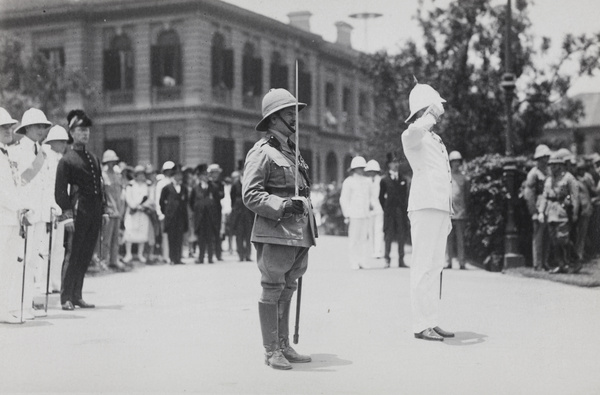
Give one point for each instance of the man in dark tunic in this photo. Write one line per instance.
(79, 192)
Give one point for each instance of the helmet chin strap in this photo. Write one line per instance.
(287, 125)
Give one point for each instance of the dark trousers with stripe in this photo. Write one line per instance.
(88, 222)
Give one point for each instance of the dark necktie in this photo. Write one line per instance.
(35, 149)
(5, 152)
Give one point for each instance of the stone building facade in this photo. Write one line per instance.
(183, 80)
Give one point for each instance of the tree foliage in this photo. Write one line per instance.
(462, 55)
(35, 81)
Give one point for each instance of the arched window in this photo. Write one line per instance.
(331, 167)
(166, 60)
(119, 64)
(279, 72)
(222, 63)
(304, 84)
(252, 67)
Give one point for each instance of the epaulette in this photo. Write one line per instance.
(273, 142)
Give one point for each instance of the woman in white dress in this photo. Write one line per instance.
(137, 221)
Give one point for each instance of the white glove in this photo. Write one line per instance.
(426, 122)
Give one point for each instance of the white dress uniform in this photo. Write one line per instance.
(37, 188)
(58, 232)
(429, 211)
(355, 201)
(11, 244)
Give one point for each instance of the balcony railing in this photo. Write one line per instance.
(119, 98)
(166, 94)
(221, 95)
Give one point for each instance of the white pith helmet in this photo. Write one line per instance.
(422, 96)
(33, 116)
(358, 162)
(541, 151)
(275, 100)
(57, 133)
(109, 156)
(372, 165)
(5, 118)
(454, 155)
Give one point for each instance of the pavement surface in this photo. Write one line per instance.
(194, 329)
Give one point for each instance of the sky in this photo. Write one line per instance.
(551, 18)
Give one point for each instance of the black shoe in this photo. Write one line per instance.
(83, 304)
(429, 334)
(199, 261)
(210, 261)
(442, 332)
(68, 305)
(402, 264)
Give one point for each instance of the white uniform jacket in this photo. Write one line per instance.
(432, 182)
(356, 197)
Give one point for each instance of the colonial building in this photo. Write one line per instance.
(183, 80)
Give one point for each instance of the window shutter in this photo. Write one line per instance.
(177, 65)
(155, 59)
(258, 76)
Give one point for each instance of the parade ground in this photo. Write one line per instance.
(194, 329)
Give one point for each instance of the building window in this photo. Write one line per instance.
(279, 72)
(252, 67)
(363, 105)
(222, 69)
(168, 149)
(224, 154)
(347, 109)
(123, 148)
(330, 106)
(55, 56)
(166, 64)
(331, 167)
(304, 84)
(119, 70)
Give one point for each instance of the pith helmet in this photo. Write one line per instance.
(5, 118)
(275, 100)
(168, 165)
(109, 156)
(454, 155)
(358, 162)
(422, 96)
(541, 151)
(556, 158)
(33, 116)
(57, 133)
(372, 165)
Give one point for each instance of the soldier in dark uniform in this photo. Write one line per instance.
(241, 219)
(284, 227)
(393, 196)
(80, 194)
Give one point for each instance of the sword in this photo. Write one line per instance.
(51, 225)
(24, 235)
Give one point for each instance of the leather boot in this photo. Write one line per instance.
(284, 331)
(268, 325)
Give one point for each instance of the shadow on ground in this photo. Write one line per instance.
(465, 339)
(321, 363)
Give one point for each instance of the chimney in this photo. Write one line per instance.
(300, 19)
(344, 31)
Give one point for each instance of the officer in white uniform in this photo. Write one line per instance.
(12, 206)
(429, 208)
(32, 163)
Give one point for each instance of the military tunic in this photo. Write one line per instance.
(80, 194)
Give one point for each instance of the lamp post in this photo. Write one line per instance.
(365, 16)
(512, 257)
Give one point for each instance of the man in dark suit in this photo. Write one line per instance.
(173, 204)
(393, 196)
(207, 218)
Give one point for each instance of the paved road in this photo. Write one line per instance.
(194, 329)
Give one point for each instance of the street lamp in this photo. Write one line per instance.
(365, 16)
(512, 257)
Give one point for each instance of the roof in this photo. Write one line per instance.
(591, 108)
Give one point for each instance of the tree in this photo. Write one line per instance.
(35, 81)
(462, 56)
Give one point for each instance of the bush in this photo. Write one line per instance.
(489, 198)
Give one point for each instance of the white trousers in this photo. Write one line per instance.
(376, 234)
(37, 252)
(429, 230)
(11, 271)
(358, 240)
